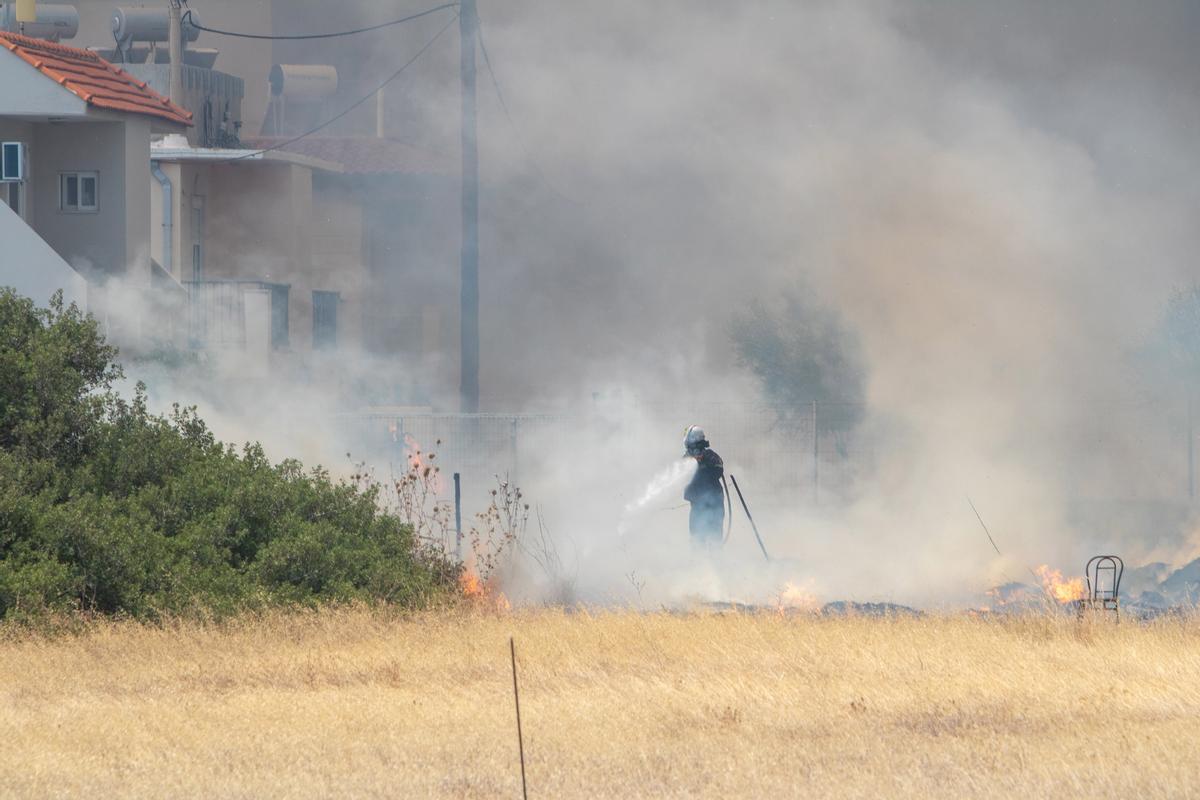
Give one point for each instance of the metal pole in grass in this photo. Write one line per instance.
(457, 517)
(512, 647)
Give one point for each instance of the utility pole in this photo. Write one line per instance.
(816, 455)
(175, 45)
(1191, 446)
(469, 404)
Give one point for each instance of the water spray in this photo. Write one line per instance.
(676, 473)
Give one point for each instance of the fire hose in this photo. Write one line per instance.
(729, 514)
(746, 508)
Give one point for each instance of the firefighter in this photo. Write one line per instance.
(705, 492)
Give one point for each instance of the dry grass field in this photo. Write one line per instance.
(372, 704)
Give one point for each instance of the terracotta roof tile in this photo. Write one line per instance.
(92, 79)
(364, 155)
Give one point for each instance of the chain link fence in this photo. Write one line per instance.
(808, 455)
(1146, 451)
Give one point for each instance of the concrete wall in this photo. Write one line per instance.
(137, 200)
(412, 307)
(33, 94)
(114, 240)
(275, 223)
(31, 266)
(199, 86)
(259, 221)
(13, 130)
(260, 228)
(339, 257)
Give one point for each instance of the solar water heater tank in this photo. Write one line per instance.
(305, 83)
(131, 25)
(53, 21)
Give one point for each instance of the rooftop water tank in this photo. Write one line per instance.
(55, 21)
(305, 83)
(131, 25)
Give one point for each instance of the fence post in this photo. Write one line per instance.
(816, 455)
(512, 436)
(457, 517)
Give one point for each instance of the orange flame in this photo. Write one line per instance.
(481, 593)
(1055, 586)
(471, 586)
(796, 598)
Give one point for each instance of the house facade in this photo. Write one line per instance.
(76, 131)
(298, 248)
(178, 227)
(242, 231)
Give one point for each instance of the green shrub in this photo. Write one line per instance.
(106, 507)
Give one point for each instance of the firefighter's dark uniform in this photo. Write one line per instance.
(707, 498)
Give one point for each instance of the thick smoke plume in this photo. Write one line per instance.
(995, 200)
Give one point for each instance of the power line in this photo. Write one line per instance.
(272, 37)
(985, 528)
(993, 541)
(508, 115)
(356, 103)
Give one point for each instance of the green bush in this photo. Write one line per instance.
(106, 507)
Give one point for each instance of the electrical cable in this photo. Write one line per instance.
(993, 541)
(352, 106)
(282, 37)
(487, 61)
(985, 527)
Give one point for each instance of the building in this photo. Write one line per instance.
(294, 249)
(76, 206)
(287, 251)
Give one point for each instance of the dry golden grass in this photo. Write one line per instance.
(369, 704)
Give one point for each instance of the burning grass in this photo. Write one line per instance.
(373, 704)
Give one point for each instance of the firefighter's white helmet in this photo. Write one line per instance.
(694, 440)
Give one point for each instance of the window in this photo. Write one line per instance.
(12, 176)
(325, 308)
(12, 161)
(279, 315)
(77, 192)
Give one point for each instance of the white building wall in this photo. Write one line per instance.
(93, 242)
(136, 176)
(28, 92)
(31, 266)
(14, 130)
(115, 239)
